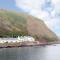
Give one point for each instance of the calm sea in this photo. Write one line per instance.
(31, 53)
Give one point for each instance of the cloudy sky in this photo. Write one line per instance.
(47, 10)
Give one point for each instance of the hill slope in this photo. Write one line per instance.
(13, 24)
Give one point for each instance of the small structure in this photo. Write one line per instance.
(19, 39)
(9, 40)
(26, 38)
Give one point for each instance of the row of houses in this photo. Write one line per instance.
(18, 39)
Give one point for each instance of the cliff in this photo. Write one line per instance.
(13, 24)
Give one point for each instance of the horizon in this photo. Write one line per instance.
(47, 10)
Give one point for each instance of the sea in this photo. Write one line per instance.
(48, 52)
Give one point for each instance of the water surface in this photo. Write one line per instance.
(31, 53)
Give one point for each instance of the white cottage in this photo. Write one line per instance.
(9, 40)
(19, 39)
(26, 38)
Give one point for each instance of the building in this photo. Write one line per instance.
(26, 38)
(9, 40)
(19, 39)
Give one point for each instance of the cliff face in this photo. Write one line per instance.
(20, 23)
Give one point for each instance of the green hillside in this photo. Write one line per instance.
(13, 24)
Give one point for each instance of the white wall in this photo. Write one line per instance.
(19, 39)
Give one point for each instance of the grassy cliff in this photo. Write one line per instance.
(13, 24)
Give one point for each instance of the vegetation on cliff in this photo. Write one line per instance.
(13, 24)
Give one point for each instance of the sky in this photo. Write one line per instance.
(46, 10)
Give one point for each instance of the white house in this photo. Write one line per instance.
(9, 40)
(26, 38)
(19, 39)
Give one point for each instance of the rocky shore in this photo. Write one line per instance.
(25, 44)
(21, 44)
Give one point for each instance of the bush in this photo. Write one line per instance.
(13, 34)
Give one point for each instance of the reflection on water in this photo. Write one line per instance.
(31, 53)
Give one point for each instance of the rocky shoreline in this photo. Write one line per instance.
(21, 44)
(25, 44)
